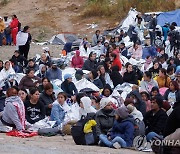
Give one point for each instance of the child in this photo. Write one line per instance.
(122, 131)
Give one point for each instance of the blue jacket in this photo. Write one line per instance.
(124, 129)
(53, 74)
(57, 114)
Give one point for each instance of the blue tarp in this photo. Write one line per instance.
(171, 16)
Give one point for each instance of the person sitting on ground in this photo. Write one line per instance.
(155, 119)
(147, 65)
(172, 94)
(122, 132)
(42, 71)
(77, 60)
(62, 113)
(29, 80)
(14, 112)
(148, 82)
(68, 86)
(124, 50)
(1, 65)
(2, 100)
(86, 106)
(23, 94)
(171, 72)
(54, 72)
(45, 60)
(129, 103)
(96, 37)
(136, 51)
(90, 63)
(94, 78)
(115, 61)
(104, 117)
(146, 98)
(138, 103)
(162, 79)
(106, 64)
(47, 97)
(79, 74)
(10, 82)
(163, 62)
(115, 76)
(34, 109)
(130, 75)
(42, 85)
(20, 60)
(155, 69)
(107, 91)
(32, 65)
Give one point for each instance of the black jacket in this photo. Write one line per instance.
(115, 76)
(69, 88)
(20, 60)
(46, 100)
(173, 122)
(89, 65)
(130, 77)
(2, 101)
(155, 123)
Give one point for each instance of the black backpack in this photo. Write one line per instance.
(77, 130)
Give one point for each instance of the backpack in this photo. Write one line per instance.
(77, 130)
(139, 127)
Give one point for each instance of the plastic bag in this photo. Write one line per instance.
(21, 134)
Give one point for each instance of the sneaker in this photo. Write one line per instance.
(116, 145)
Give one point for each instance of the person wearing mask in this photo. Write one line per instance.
(155, 119)
(47, 97)
(14, 28)
(172, 94)
(29, 80)
(148, 83)
(116, 61)
(68, 86)
(96, 37)
(14, 111)
(54, 72)
(77, 60)
(90, 63)
(94, 78)
(23, 41)
(130, 75)
(34, 109)
(162, 79)
(2, 27)
(105, 117)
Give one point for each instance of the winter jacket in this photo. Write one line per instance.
(130, 77)
(46, 100)
(124, 129)
(2, 26)
(117, 62)
(53, 74)
(124, 52)
(47, 63)
(20, 60)
(173, 122)
(153, 23)
(177, 94)
(147, 86)
(98, 83)
(163, 82)
(27, 82)
(34, 112)
(140, 105)
(35, 67)
(89, 65)
(77, 62)
(116, 76)
(95, 38)
(155, 123)
(104, 121)
(69, 88)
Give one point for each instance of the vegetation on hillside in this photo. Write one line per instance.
(118, 9)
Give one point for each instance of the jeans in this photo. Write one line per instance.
(8, 39)
(103, 138)
(152, 37)
(151, 135)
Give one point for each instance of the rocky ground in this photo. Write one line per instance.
(52, 145)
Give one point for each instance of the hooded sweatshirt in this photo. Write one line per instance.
(77, 60)
(14, 112)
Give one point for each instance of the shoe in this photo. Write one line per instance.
(116, 145)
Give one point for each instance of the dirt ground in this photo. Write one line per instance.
(52, 145)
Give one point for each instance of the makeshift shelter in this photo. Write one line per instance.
(171, 16)
(63, 38)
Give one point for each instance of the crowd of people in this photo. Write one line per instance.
(154, 98)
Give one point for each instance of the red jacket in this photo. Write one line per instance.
(118, 63)
(77, 60)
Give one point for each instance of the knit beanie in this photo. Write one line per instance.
(67, 76)
(122, 112)
(104, 102)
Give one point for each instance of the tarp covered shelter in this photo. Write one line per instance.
(63, 38)
(171, 16)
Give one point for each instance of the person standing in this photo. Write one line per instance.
(7, 30)
(23, 41)
(152, 27)
(2, 27)
(14, 28)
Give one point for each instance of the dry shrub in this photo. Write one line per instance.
(120, 8)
